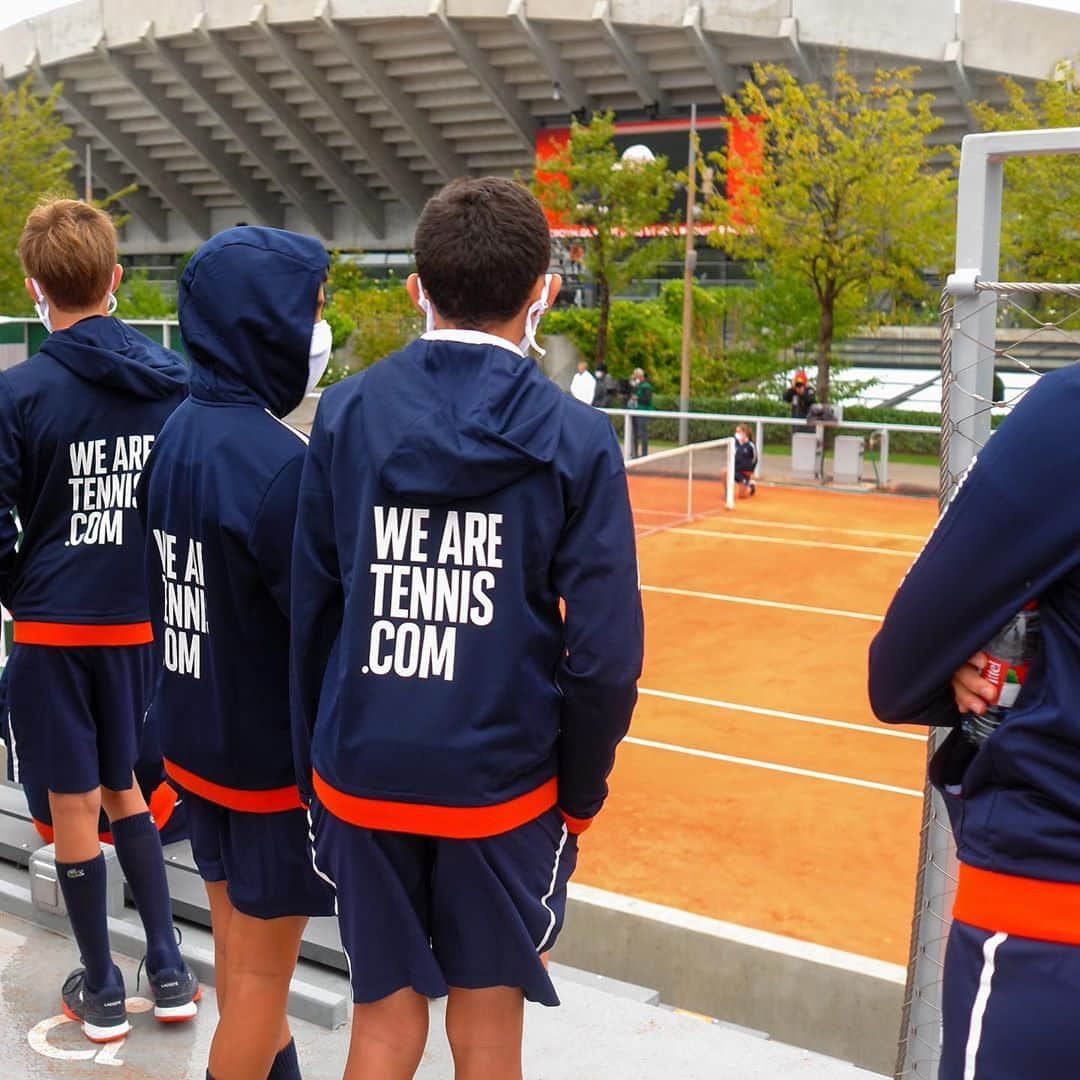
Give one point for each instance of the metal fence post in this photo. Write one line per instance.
(759, 442)
(883, 472)
(628, 438)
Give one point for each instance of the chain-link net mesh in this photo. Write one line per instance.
(1037, 328)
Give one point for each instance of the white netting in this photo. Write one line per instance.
(1037, 328)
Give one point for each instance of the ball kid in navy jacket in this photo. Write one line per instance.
(437, 688)
(77, 422)
(1010, 536)
(220, 501)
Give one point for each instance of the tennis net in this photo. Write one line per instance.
(672, 487)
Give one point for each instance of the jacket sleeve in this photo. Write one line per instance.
(270, 540)
(317, 598)
(1008, 535)
(595, 572)
(11, 444)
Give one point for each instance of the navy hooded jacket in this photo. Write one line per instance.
(219, 496)
(77, 421)
(451, 498)
(1011, 535)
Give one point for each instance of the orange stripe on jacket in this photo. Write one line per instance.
(450, 822)
(82, 634)
(162, 805)
(271, 801)
(1026, 907)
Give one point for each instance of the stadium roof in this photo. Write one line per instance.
(341, 117)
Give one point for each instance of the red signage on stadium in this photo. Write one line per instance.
(740, 145)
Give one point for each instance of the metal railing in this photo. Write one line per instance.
(882, 430)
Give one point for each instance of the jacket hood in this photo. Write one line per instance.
(446, 420)
(108, 352)
(247, 303)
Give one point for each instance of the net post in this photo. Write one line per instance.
(729, 482)
(690, 485)
(759, 442)
(883, 450)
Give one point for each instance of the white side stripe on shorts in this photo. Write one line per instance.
(982, 999)
(14, 749)
(551, 888)
(329, 881)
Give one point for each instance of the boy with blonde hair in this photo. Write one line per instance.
(77, 421)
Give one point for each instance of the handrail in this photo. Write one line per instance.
(790, 421)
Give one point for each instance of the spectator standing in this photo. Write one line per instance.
(583, 384)
(641, 398)
(606, 388)
(800, 396)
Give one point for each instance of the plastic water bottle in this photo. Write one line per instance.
(1008, 659)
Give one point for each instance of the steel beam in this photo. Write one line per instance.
(398, 177)
(443, 157)
(634, 67)
(513, 111)
(126, 147)
(265, 205)
(721, 73)
(805, 66)
(138, 202)
(958, 77)
(567, 85)
(337, 173)
(298, 188)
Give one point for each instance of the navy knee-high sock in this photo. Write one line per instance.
(286, 1065)
(138, 847)
(83, 886)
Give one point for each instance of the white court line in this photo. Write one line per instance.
(802, 718)
(769, 523)
(716, 535)
(865, 616)
(773, 767)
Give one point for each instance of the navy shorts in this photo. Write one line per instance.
(265, 859)
(77, 712)
(1009, 1007)
(432, 913)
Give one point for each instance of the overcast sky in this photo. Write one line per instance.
(13, 11)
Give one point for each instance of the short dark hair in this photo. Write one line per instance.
(480, 245)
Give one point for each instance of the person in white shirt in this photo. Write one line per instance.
(583, 384)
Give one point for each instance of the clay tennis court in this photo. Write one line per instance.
(756, 786)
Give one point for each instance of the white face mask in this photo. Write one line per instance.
(322, 341)
(41, 305)
(425, 307)
(532, 320)
(740, 438)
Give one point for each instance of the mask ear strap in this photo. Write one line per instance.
(425, 307)
(111, 306)
(38, 291)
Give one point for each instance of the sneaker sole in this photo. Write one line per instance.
(99, 1035)
(177, 1014)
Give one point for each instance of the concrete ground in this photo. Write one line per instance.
(595, 1036)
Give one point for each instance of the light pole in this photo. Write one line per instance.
(689, 263)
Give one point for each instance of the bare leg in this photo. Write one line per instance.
(388, 1037)
(485, 1029)
(75, 826)
(221, 910)
(260, 956)
(123, 804)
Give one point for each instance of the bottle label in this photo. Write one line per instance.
(1007, 679)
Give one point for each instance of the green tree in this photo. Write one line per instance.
(614, 201)
(1040, 237)
(34, 162)
(841, 193)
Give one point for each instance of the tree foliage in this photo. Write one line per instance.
(840, 196)
(587, 185)
(1040, 236)
(34, 162)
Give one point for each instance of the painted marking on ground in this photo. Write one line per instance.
(802, 718)
(716, 535)
(669, 591)
(771, 766)
(771, 523)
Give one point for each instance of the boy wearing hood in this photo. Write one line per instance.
(219, 499)
(77, 421)
(453, 729)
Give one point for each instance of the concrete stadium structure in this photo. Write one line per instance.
(340, 117)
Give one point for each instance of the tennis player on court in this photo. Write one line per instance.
(1012, 969)
(453, 730)
(77, 421)
(219, 498)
